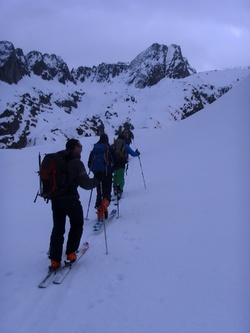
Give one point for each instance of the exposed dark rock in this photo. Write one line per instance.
(12, 67)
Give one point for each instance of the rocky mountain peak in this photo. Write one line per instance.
(48, 66)
(157, 62)
(147, 69)
(12, 67)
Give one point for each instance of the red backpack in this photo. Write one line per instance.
(53, 175)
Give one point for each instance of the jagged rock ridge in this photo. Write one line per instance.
(46, 101)
(147, 69)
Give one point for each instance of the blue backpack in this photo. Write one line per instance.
(101, 158)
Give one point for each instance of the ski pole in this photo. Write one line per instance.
(40, 182)
(105, 236)
(90, 197)
(104, 222)
(140, 165)
(142, 171)
(118, 206)
(36, 197)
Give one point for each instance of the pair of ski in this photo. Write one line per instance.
(117, 199)
(98, 226)
(60, 274)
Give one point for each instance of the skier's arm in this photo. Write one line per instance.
(90, 160)
(131, 152)
(83, 179)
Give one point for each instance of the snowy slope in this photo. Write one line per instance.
(37, 111)
(178, 257)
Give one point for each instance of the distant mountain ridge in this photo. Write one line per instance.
(147, 69)
(41, 100)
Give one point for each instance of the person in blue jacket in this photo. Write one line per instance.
(101, 163)
(121, 152)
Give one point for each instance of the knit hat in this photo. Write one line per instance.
(71, 143)
(104, 138)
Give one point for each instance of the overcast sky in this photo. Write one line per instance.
(212, 34)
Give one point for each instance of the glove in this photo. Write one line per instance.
(138, 153)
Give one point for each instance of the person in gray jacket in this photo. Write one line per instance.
(69, 205)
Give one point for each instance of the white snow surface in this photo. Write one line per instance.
(178, 258)
(153, 107)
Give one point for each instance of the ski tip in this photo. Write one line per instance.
(41, 286)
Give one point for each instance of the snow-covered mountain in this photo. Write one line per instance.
(42, 101)
(178, 257)
(147, 69)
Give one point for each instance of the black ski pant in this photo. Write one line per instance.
(104, 188)
(61, 209)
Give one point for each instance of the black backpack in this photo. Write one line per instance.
(119, 151)
(53, 175)
(128, 136)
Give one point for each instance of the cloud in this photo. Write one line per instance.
(235, 31)
(88, 32)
